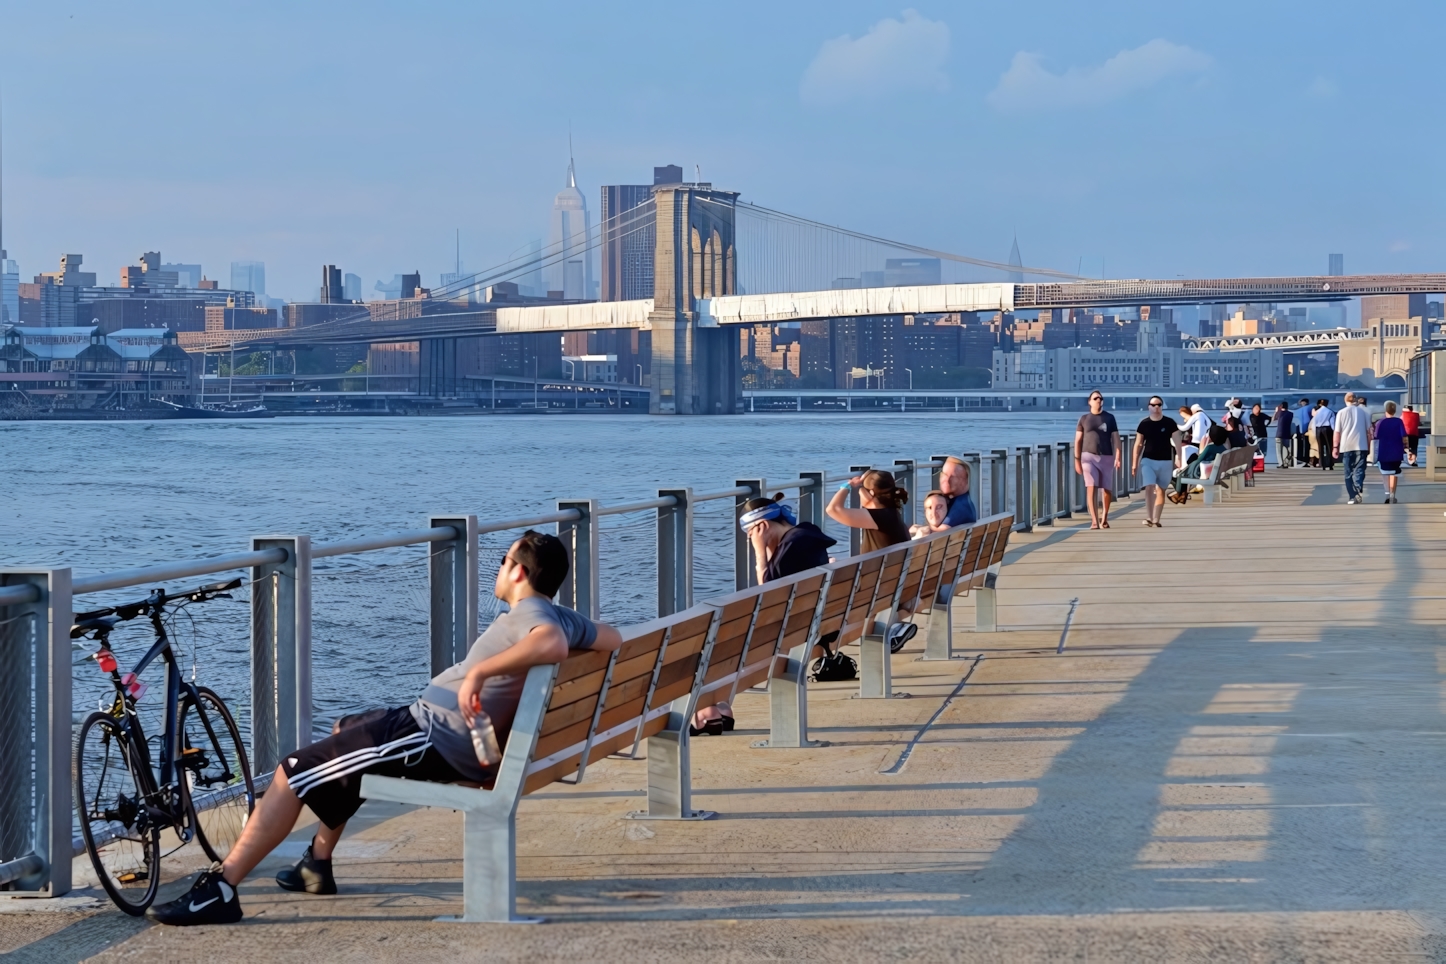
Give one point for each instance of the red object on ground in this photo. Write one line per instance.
(1259, 465)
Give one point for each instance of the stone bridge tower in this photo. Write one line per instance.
(696, 370)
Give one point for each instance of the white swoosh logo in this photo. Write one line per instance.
(195, 906)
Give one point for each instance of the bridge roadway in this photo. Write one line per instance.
(1237, 757)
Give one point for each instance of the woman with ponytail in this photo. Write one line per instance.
(882, 524)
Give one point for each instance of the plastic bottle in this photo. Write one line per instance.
(484, 740)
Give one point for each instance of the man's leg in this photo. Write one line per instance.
(1151, 491)
(1105, 511)
(1358, 470)
(1090, 491)
(270, 824)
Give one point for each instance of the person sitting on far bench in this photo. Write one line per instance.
(428, 740)
(882, 525)
(1190, 474)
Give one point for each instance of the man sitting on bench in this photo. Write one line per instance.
(428, 740)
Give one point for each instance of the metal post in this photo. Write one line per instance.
(936, 470)
(744, 573)
(675, 552)
(35, 736)
(580, 589)
(812, 498)
(1080, 504)
(452, 576)
(280, 651)
(856, 536)
(1043, 485)
(1064, 481)
(905, 478)
(1023, 490)
(998, 481)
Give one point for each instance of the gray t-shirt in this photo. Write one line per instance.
(436, 711)
(1098, 430)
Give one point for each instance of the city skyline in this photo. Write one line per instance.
(1122, 183)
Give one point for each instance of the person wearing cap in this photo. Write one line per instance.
(954, 482)
(782, 546)
(1196, 429)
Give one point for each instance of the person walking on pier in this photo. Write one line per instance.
(1153, 460)
(1350, 441)
(429, 740)
(1390, 435)
(1411, 420)
(1323, 424)
(883, 525)
(1097, 455)
(1284, 436)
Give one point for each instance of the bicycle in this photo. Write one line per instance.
(200, 789)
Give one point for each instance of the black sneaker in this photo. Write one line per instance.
(310, 875)
(900, 634)
(209, 901)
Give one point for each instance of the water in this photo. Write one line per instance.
(101, 496)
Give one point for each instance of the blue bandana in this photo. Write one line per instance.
(776, 510)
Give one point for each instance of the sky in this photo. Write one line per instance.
(1117, 138)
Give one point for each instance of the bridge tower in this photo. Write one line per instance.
(696, 370)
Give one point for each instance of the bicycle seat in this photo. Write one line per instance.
(103, 623)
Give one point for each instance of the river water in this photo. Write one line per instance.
(100, 496)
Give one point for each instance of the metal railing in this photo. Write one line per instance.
(36, 841)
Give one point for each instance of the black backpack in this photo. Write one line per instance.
(834, 668)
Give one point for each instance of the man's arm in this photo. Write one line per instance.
(1078, 443)
(1119, 453)
(545, 644)
(1135, 454)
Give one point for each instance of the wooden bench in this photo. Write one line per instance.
(1226, 473)
(595, 704)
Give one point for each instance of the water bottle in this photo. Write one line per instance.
(484, 741)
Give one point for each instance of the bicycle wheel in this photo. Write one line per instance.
(123, 842)
(218, 774)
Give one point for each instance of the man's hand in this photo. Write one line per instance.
(1336, 452)
(1119, 459)
(469, 696)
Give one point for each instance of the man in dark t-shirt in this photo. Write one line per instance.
(1154, 458)
(1096, 457)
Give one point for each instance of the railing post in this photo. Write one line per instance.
(1064, 481)
(856, 536)
(744, 574)
(812, 498)
(998, 481)
(1044, 484)
(35, 733)
(1023, 490)
(936, 469)
(280, 651)
(1080, 505)
(580, 590)
(675, 552)
(906, 479)
(452, 577)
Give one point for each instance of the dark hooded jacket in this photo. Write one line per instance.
(802, 547)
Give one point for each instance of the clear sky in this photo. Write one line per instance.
(1148, 139)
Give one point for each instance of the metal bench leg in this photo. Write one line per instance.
(985, 617)
(788, 704)
(1212, 493)
(489, 862)
(670, 775)
(876, 680)
(939, 636)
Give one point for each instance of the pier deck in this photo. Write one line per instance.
(1238, 756)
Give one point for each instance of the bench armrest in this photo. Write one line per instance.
(425, 793)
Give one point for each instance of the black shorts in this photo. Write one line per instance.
(327, 775)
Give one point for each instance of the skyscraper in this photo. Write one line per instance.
(627, 242)
(331, 289)
(9, 290)
(351, 287)
(1015, 262)
(1337, 265)
(249, 276)
(570, 263)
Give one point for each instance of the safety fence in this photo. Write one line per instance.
(424, 593)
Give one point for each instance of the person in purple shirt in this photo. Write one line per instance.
(1390, 435)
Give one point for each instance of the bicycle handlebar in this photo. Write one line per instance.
(90, 621)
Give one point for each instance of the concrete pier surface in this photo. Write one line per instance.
(1238, 756)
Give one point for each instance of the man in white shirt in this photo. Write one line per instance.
(1323, 424)
(1350, 442)
(1196, 427)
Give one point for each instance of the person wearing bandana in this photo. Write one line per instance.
(782, 546)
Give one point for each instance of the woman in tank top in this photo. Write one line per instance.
(880, 519)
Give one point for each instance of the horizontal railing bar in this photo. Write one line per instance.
(662, 502)
(566, 515)
(15, 595)
(175, 570)
(725, 494)
(27, 866)
(416, 536)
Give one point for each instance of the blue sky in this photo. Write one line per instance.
(1152, 139)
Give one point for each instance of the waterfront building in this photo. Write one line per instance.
(332, 292)
(351, 287)
(187, 275)
(84, 367)
(591, 368)
(570, 264)
(221, 318)
(1149, 369)
(1336, 265)
(632, 347)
